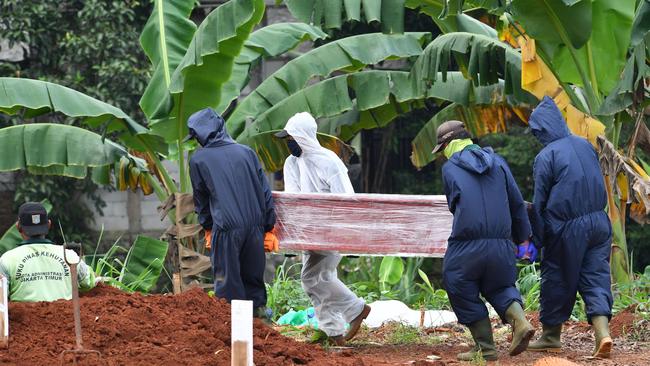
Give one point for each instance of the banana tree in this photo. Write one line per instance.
(591, 56)
(573, 62)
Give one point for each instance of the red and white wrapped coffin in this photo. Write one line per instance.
(370, 224)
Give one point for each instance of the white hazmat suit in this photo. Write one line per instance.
(319, 170)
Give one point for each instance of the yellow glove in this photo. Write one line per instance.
(208, 239)
(271, 242)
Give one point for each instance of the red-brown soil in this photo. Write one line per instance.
(186, 329)
(194, 329)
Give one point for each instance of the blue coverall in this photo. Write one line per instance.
(569, 220)
(233, 199)
(489, 213)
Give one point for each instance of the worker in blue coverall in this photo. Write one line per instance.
(489, 214)
(572, 227)
(233, 202)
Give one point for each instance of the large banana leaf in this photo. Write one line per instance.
(452, 22)
(36, 97)
(143, 264)
(478, 119)
(328, 13)
(587, 40)
(273, 152)
(372, 98)
(488, 61)
(165, 39)
(47, 148)
(270, 41)
(11, 238)
(347, 54)
(636, 68)
(207, 65)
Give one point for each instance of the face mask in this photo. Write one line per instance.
(294, 148)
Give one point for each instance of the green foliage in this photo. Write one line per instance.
(528, 283)
(90, 46)
(433, 298)
(636, 293)
(143, 264)
(390, 270)
(285, 292)
(134, 269)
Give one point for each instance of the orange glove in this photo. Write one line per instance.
(208, 239)
(271, 242)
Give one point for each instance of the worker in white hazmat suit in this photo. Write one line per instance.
(312, 168)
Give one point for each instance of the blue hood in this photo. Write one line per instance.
(208, 128)
(475, 160)
(546, 122)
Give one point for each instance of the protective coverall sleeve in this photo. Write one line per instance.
(291, 183)
(542, 174)
(269, 214)
(521, 230)
(340, 183)
(201, 197)
(86, 276)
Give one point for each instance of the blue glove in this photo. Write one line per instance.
(527, 251)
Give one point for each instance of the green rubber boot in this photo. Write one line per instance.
(549, 341)
(604, 342)
(522, 331)
(484, 344)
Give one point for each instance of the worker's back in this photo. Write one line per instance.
(231, 174)
(36, 271)
(230, 177)
(568, 179)
(483, 197)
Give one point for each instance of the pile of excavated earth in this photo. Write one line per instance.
(133, 329)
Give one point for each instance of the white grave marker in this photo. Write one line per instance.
(241, 333)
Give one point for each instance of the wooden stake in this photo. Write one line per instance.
(176, 282)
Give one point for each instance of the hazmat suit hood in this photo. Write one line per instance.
(208, 127)
(474, 159)
(546, 122)
(302, 127)
(317, 169)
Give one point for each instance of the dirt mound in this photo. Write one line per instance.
(623, 322)
(132, 329)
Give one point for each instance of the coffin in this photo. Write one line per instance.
(369, 224)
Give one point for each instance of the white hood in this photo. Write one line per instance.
(317, 169)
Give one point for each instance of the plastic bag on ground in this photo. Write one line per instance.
(299, 318)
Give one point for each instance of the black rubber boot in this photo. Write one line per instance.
(484, 343)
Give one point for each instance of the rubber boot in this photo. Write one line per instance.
(483, 342)
(604, 342)
(522, 331)
(549, 341)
